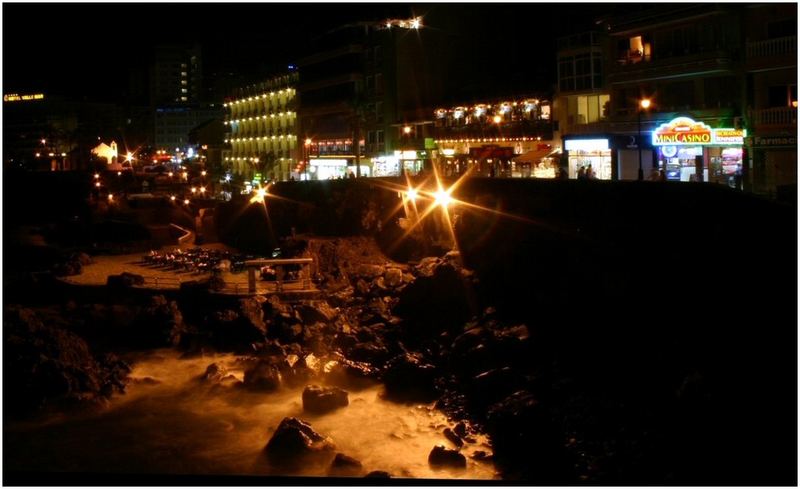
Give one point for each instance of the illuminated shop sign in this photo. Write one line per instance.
(685, 131)
(586, 144)
(13, 97)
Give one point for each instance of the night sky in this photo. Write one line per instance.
(91, 50)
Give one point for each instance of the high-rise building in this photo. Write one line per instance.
(176, 75)
(364, 82)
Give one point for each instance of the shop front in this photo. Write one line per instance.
(686, 147)
(589, 156)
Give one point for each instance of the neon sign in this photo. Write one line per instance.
(13, 97)
(683, 131)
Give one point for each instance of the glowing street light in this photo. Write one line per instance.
(202, 190)
(186, 201)
(110, 197)
(97, 184)
(411, 194)
(442, 198)
(172, 198)
(119, 173)
(407, 130)
(170, 174)
(194, 190)
(38, 154)
(497, 119)
(129, 157)
(203, 173)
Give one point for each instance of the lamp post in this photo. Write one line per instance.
(644, 104)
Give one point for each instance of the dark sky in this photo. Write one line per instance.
(90, 49)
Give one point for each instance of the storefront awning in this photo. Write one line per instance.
(533, 156)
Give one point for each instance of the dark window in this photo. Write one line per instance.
(782, 28)
(779, 96)
(378, 83)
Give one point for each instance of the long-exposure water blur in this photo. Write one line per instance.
(332, 244)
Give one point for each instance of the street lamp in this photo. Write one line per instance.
(644, 104)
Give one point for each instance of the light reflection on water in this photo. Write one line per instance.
(182, 426)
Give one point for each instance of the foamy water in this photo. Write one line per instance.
(180, 425)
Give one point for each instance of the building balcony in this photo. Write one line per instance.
(652, 68)
(780, 52)
(773, 117)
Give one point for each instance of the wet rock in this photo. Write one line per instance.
(460, 429)
(53, 366)
(345, 465)
(435, 303)
(441, 456)
(407, 376)
(345, 341)
(215, 373)
(393, 277)
(493, 385)
(294, 437)
(369, 272)
(371, 353)
(481, 455)
(378, 474)
(251, 309)
(318, 312)
(82, 258)
(453, 437)
(362, 287)
(318, 399)
(159, 323)
(263, 376)
(235, 331)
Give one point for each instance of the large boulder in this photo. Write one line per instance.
(408, 376)
(393, 277)
(441, 456)
(343, 465)
(263, 376)
(45, 365)
(159, 323)
(294, 437)
(318, 399)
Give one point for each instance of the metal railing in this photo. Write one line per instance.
(776, 116)
(772, 47)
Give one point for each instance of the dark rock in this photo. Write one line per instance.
(215, 373)
(344, 465)
(263, 376)
(159, 323)
(441, 456)
(47, 365)
(232, 331)
(82, 258)
(481, 455)
(369, 272)
(125, 279)
(345, 341)
(318, 312)
(393, 277)
(494, 385)
(407, 376)
(379, 474)
(460, 429)
(435, 303)
(370, 353)
(362, 287)
(453, 437)
(318, 399)
(295, 437)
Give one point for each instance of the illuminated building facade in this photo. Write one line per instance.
(262, 130)
(685, 60)
(770, 96)
(498, 138)
(706, 69)
(364, 82)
